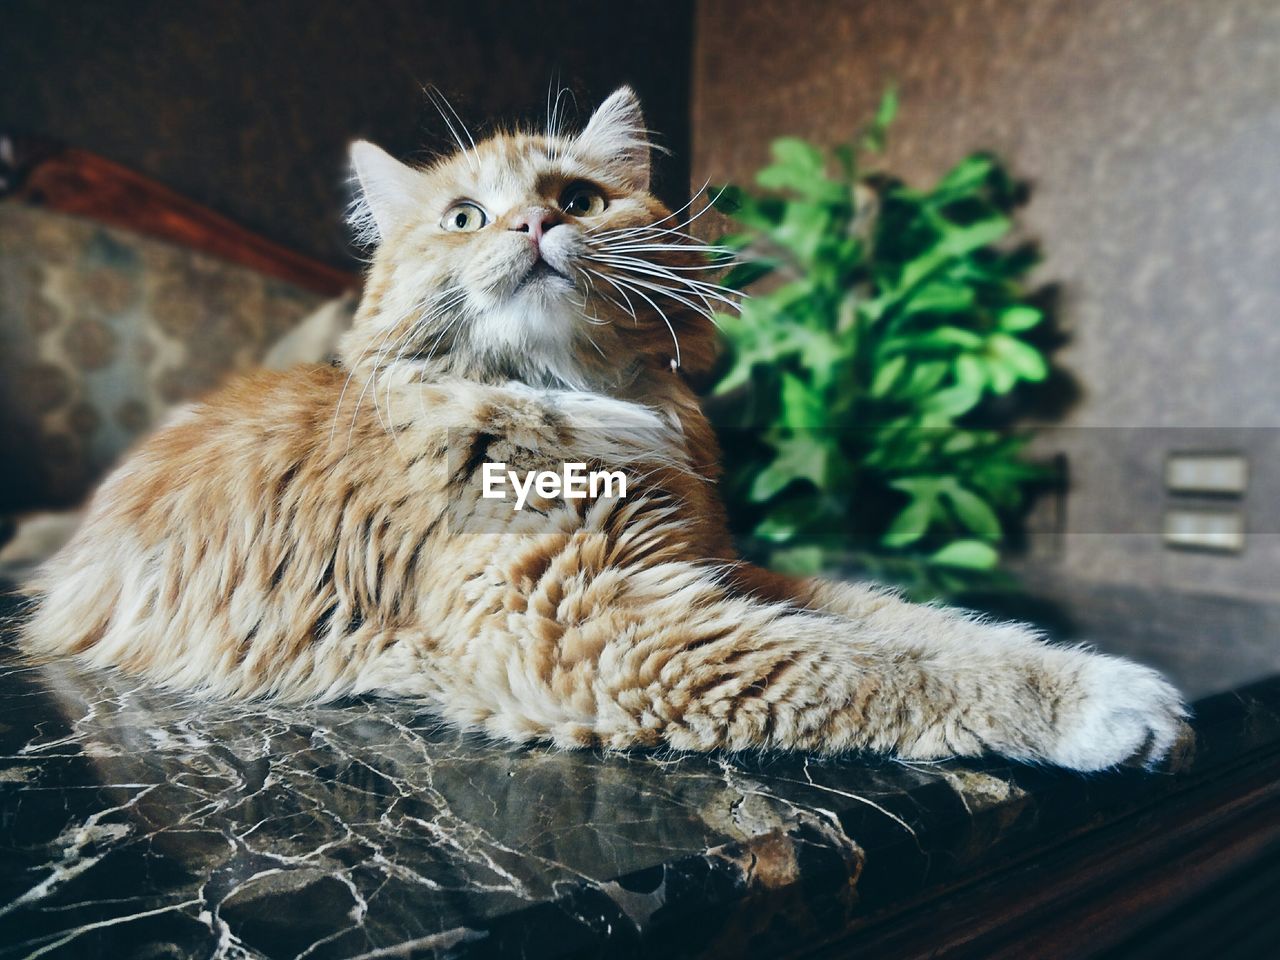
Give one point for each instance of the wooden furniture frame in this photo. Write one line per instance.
(68, 180)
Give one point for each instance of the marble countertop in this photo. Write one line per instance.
(139, 824)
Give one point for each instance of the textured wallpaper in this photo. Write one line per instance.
(1150, 133)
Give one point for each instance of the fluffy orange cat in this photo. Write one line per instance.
(323, 532)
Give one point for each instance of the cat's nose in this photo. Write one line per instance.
(535, 222)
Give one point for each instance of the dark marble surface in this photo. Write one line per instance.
(140, 824)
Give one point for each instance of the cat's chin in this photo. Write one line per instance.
(541, 315)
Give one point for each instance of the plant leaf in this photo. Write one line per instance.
(969, 554)
(940, 296)
(957, 240)
(788, 519)
(745, 274)
(953, 402)
(799, 166)
(970, 372)
(973, 512)
(798, 561)
(873, 138)
(800, 457)
(1025, 359)
(910, 524)
(887, 111)
(801, 228)
(1019, 317)
(965, 177)
(802, 406)
(887, 375)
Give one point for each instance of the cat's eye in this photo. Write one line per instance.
(464, 217)
(583, 200)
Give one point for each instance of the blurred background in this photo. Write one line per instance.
(175, 179)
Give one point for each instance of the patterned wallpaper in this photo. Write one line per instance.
(101, 331)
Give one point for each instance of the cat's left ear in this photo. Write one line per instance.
(616, 135)
(387, 189)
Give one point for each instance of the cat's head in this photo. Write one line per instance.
(540, 256)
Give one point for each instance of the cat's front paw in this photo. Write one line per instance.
(607, 428)
(1118, 711)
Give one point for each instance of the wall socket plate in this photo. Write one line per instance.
(1223, 474)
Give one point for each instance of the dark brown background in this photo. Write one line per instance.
(248, 107)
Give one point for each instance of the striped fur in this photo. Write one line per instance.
(319, 533)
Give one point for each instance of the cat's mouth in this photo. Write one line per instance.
(540, 273)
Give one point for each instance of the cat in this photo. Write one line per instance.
(322, 533)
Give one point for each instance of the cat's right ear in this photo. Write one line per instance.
(385, 192)
(616, 133)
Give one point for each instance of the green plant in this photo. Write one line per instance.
(856, 408)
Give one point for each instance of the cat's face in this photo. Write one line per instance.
(538, 256)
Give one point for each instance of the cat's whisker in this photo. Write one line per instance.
(631, 234)
(682, 226)
(700, 288)
(553, 115)
(674, 213)
(551, 85)
(704, 311)
(383, 347)
(441, 102)
(615, 302)
(588, 317)
(381, 368)
(422, 406)
(645, 234)
(597, 347)
(710, 300)
(659, 311)
(629, 307)
(591, 291)
(453, 322)
(680, 273)
(656, 253)
(371, 379)
(721, 253)
(451, 299)
(591, 287)
(678, 268)
(351, 371)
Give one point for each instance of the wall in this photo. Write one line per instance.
(1150, 132)
(248, 107)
